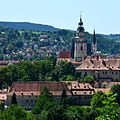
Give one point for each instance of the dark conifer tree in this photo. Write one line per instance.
(64, 100)
(13, 99)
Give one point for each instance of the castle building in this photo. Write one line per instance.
(80, 43)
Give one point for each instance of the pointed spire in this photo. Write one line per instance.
(94, 37)
(80, 25)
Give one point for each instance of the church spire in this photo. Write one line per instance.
(94, 37)
(80, 26)
(94, 44)
(80, 43)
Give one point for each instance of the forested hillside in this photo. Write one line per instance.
(28, 26)
(30, 44)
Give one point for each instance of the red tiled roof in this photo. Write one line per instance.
(99, 64)
(36, 87)
(81, 88)
(64, 54)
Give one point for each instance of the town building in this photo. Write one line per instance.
(27, 92)
(103, 69)
(64, 55)
(81, 92)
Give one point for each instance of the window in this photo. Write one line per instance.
(81, 48)
(22, 95)
(31, 93)
(26, 100)
(74, 86)
(75, 93)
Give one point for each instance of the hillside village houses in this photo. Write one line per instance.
(86, 60)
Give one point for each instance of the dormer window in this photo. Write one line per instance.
(21, 93)
(75, 93)
(31, 93)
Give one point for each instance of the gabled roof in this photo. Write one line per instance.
(28, 88)
(81, 88)
(99, 64)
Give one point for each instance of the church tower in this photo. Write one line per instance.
(80, 48)
(94, 44)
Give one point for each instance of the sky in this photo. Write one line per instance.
(104, 15)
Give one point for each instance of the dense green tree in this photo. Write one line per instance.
(56, 113)
(73, 113)
(97, 99)
(89, 79)
(116, 90)
(44, 102)
(15, 112)
(65, 68)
